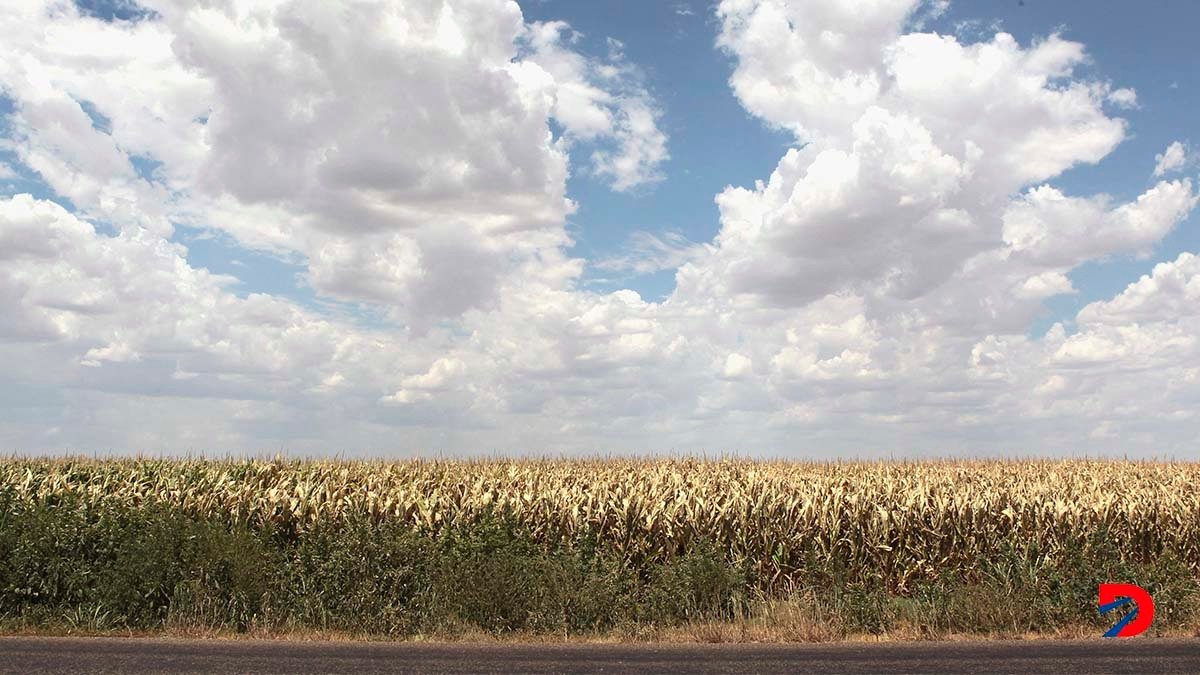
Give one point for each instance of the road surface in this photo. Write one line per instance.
(155, 655)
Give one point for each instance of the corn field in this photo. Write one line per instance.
(891, 523)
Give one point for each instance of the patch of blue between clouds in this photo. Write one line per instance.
(713, 142)
(258, 271)
(146, 167)
(114, 10)
(100, 122)
(271, 274)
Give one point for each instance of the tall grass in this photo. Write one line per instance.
(585, 547)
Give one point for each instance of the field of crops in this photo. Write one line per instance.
(868, 540)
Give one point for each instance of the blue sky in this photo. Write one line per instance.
(301, 224)
(715, 142)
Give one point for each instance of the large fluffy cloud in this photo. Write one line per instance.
(403, 151)
(914, 145)
(874, 293)
(888, 270)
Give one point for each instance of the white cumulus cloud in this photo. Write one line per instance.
(1174, 158)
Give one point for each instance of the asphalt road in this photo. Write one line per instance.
(151, 655)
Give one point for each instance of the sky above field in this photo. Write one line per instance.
(815, 228)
